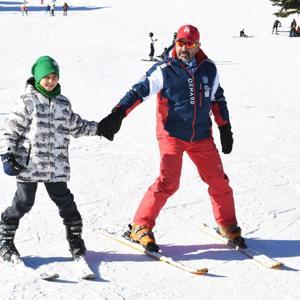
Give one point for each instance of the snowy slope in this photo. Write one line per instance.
(99, 47)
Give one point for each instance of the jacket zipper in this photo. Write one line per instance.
(28, 156)
(49, 138)
(195, 110)
(195, 101)
(200, 96)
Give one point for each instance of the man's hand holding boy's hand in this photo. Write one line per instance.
(111, 124)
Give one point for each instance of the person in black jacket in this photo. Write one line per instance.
(275, 26)
(293, 28)
(65, 9)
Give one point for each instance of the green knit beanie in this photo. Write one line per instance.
(44, 66)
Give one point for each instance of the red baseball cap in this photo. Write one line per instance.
(189, 33)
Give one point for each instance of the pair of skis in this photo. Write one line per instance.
(250, 252)
(81, 266)
(84, 272)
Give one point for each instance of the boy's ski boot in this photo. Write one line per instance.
(8, 250)
(76, 243)
(142, 235)
(234, 235)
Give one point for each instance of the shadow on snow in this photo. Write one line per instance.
(215, 251)
(94, 260)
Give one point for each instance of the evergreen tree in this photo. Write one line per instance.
(287, 7)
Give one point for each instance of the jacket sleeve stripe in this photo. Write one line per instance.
(148, 85)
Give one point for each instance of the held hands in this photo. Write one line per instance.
(111, 124)
(226, 138)
(10, 166)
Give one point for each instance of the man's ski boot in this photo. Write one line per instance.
(142, 235)
(234, 235)
(76, 243)
(8, 250)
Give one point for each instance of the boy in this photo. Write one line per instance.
(34, 147)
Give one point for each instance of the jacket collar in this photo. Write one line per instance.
(200, 55)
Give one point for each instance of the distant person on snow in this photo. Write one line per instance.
(168, 50)
(34, 148)
(293, 28)
(152, 50)
(188, 90)
(164, 53)
(24, 9)
(242, 33)
(275, 26)
(52, 9)
(65, 8)
(48, 7)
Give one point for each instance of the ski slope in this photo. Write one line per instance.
(99, 47)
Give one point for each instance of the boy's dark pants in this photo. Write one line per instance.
(25, 196)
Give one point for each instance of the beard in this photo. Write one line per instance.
(184, 56)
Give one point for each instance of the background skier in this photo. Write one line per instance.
(152, 50)
(275, 26)
(65, 9)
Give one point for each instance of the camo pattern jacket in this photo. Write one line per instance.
(38, 131)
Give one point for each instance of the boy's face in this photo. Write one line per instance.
(49, 82)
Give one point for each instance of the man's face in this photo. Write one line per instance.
(186, 50)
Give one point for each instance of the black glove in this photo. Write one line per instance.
(10, 166)
(111, 124)
(226, 138)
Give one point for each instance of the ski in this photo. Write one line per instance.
(20, 266)
(250, 252)
(156, 255)
(83, 269)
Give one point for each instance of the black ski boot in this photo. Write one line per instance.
(8, 249)
(76, 243)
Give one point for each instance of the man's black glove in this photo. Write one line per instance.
(10, 166)
(111, 124)
(226, 138)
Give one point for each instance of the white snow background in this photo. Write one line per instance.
(99, 47)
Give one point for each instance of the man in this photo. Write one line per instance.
(293, 28)
(275, 26)
(65, 9)
(52, 9)
(188, 89)
(167, 50)
(152, 50)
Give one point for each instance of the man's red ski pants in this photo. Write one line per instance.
(205, 156)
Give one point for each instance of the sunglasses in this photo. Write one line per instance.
(188, 45)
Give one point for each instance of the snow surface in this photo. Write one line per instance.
(99, 47)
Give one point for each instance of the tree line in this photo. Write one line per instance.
(287, 7)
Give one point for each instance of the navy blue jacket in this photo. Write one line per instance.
(184, 99)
